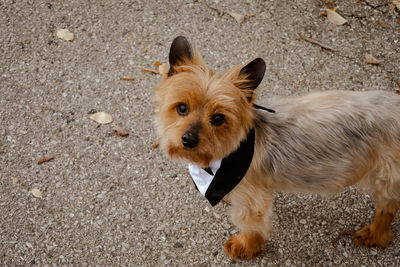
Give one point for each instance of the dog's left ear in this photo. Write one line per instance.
(180, 53)
(253, 74)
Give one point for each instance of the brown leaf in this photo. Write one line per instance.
(15, 180)
(118, 130)
(156, 144)
(150, 70)
(128, 79)
(163, 70)
(335, 18)
(398, 84)
(370, 59)
(250, 15)
(238, 17)
(43, 160)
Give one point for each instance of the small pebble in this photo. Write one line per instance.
(178, 245)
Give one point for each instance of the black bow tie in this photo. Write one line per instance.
(232, 170)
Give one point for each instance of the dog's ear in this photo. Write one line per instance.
(180, 53)
(253, 73)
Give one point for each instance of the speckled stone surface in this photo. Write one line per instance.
(112, 200)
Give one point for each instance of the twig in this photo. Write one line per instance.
(128, 79)
(43, 160)
(150, 70)
(305, 38)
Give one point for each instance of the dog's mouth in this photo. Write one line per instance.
(202, 159)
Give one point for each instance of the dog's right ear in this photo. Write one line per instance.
(250, 77)
(254, 73)
(180, 53)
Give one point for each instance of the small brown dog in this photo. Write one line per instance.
(320, 143)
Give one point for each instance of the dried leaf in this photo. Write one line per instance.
(43, 160)
(150, 70)
(219, 11)
(381, 24)
(396, 3)
(65, 35)
(163, 70)
(370, 59)
(36, 193)
(398, 92)
(398, 84)
(118, 130)
(239, 18)
(250, 15)
(335, 18)
(101, 117)
(156, 144)
(128, 79)
(15, 180)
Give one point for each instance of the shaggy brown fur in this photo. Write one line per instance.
(320, 143)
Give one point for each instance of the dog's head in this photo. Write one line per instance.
(202, 116)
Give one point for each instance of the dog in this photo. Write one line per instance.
(238, 151)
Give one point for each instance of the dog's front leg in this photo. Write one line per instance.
(251, 211)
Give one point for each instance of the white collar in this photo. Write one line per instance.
(201, 178)
(226, 173)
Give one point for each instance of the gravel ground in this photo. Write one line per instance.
(112, 200)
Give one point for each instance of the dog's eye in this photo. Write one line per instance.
(217, 119)
(182, 109)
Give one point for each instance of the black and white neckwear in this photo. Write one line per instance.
(223, 175)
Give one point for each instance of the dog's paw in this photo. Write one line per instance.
(243, 247)
(369, 236)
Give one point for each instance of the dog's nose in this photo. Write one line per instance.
(189, 140)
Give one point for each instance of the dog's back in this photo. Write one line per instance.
(325, 141)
